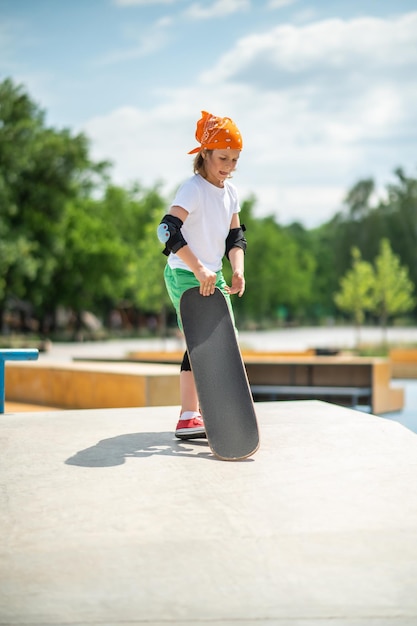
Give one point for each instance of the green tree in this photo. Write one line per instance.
(393, 289)
(400, 214)
(20, 121)
(91, 269)
(68, 236)
(279, 272)
(358, 198)
(326, 276)
(42, 171)
(150, 292)
(356, 289)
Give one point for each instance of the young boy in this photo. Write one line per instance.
(202, 226)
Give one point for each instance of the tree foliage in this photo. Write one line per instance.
(356, 289)
(393, 289)
(384, 290)
(42, 172)
(69, 237)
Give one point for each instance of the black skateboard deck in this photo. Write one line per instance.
(224, 394)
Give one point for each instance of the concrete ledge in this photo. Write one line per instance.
(107, 519)
(93, 385)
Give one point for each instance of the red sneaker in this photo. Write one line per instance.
(190, 429)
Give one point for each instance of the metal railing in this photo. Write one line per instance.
(6, 354)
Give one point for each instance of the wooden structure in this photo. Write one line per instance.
(403, 362)
(344, 380)
(91, 385)
(348, 381)
(152, 379)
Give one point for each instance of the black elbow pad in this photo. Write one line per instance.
(169, 233)
(236, 239)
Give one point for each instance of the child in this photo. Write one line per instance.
(202, 226)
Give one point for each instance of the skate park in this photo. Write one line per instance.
(107, 518)
(145, 147)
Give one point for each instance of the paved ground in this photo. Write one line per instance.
(107, 519)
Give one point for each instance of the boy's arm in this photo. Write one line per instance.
(205, 277)
(237, 261)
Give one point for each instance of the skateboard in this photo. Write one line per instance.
(224, 394)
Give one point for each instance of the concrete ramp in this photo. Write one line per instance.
(107, 519)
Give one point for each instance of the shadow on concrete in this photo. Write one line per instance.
(115, 450)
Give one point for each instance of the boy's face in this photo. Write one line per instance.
(219, 164)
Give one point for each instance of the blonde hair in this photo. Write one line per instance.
(199, 167)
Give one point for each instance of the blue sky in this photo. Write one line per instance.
(324, 92)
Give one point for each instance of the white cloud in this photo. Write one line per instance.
(331, 45)
(219, 8)
(331, 81)
(308, 204)
(145, 146)
(320, 103)
(318, 107)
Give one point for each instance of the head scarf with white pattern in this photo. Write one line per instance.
(217, 133)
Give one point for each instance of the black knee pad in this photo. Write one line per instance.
(185, 365)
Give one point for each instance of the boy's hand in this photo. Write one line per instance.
(207, 280)
(238, 283)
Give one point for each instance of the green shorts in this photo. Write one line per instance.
(177, 281)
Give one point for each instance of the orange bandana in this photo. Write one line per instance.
(217, 133)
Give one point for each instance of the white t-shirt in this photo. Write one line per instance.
(210, 210)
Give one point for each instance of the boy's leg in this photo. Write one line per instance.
(190, 424)
(188, 390)
(188, 393)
